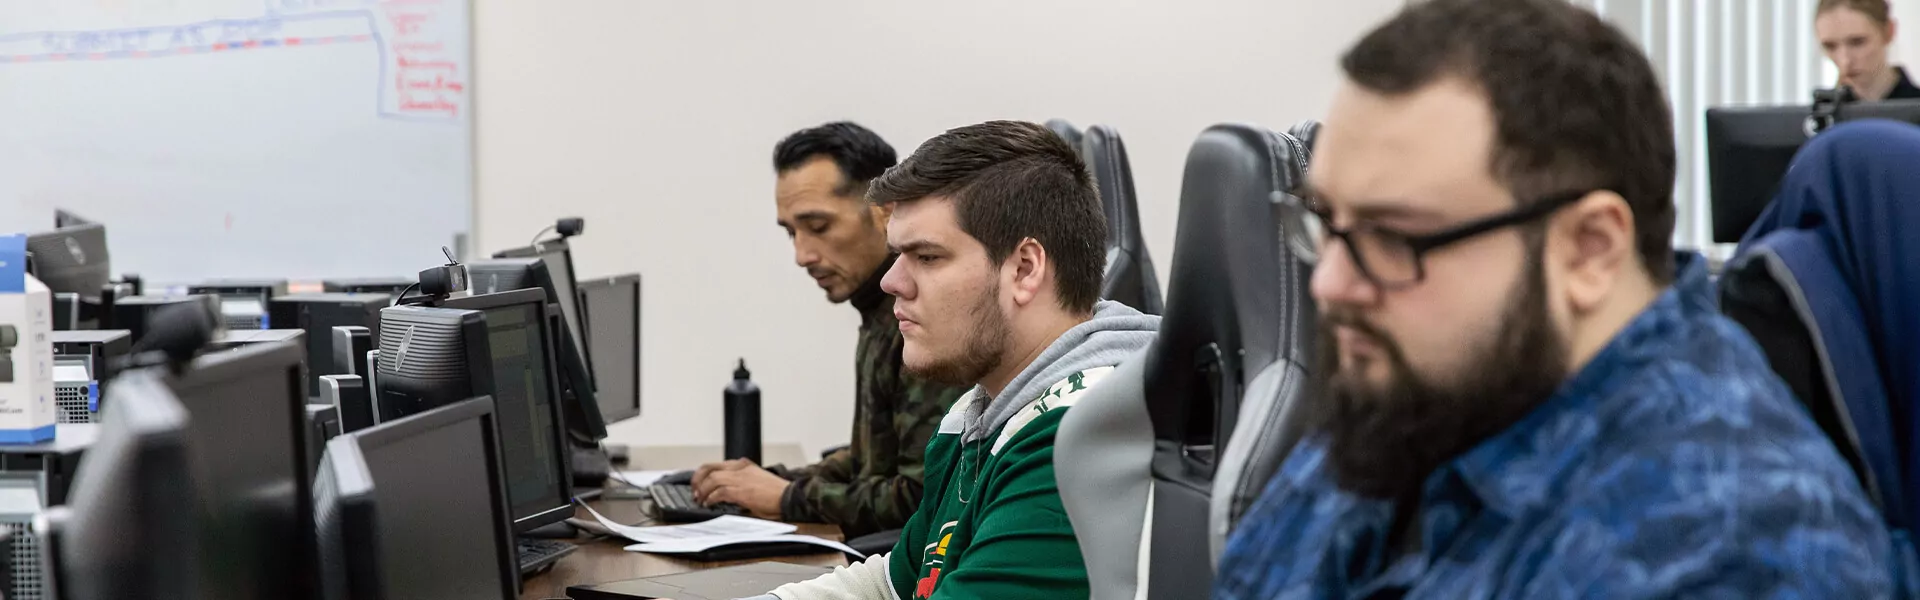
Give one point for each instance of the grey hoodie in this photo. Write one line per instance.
(1115, 332)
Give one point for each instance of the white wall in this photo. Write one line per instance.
(1907, 39)
(656, 122)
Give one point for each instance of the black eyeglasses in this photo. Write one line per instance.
(1391, 259)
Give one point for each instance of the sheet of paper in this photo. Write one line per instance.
(640, 478)
(689, 546)
(728, 526)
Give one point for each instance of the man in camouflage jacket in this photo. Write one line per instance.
(874, 483)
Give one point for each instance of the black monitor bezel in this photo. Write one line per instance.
(608, 283)
(584, 423)
(564, 250)
(245, 362)
(150, 428)
(91, 230)
(1729, 127)
(365, 493)
(561, 457)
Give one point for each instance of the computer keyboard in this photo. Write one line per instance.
(675, 504)
(539, 555)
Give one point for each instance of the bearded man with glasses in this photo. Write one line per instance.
(1528, 393)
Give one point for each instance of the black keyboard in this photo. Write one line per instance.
(675, 504)
(539, 555)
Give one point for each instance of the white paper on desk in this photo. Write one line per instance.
(726, 526)
(693, 545)
(640, 479)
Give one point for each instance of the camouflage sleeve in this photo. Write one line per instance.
(838, 466)
(840, 461)
(874, 500)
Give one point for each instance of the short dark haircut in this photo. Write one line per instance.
(1576, 105)
(859, 152)
(1009, 181)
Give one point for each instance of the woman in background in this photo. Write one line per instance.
(1855, 35)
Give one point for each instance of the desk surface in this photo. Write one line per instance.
(602, 560)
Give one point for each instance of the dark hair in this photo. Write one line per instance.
(1008, 181)
(1876, 10)
(1576, 105)
(858, 151)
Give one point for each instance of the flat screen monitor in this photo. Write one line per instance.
(72, 259)
(558, 257)
(612, 308)
(576, 381)
(426, 357)
(132, 526)
(526, 400)
(416, 509)
(1749, 149)
(248, 429)
(62, 218)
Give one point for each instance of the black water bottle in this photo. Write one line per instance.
(743, 416)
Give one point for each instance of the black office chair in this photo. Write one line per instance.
(1066, 131)
(1129, 278)
(1145, 442)
(1268, 424)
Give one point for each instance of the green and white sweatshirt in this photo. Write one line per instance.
(990, 524)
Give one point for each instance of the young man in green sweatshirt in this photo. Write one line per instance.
(1002, 246)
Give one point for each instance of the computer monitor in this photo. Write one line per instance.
(498, 275)
(62, 218)
(71, 259)
(1749, 149)
(351, 344)
(611, 307)
(425, 359)
(352, 402)
(248, 430)
(558, 257)
(132, 528)
(526, 398)
(416, 509)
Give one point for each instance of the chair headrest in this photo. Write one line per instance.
(1307, 132)
(1066, 131)
(1237, 289)
(1106, 157)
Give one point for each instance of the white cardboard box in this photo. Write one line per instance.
(27, 411)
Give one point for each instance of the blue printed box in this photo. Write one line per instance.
(27, 410)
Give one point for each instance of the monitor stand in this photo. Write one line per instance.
(591, 467)
(561, 530)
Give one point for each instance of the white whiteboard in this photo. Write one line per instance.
(241, 138)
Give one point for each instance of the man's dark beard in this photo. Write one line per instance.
(1384, 441)
(984, 348)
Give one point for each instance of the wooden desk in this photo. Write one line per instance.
(603, 560)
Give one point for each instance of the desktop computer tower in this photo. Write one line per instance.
(317, 315)
(243, 303)
(387, 286)
(82, 360)
(32, 478)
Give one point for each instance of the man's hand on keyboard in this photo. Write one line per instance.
(740, 482)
